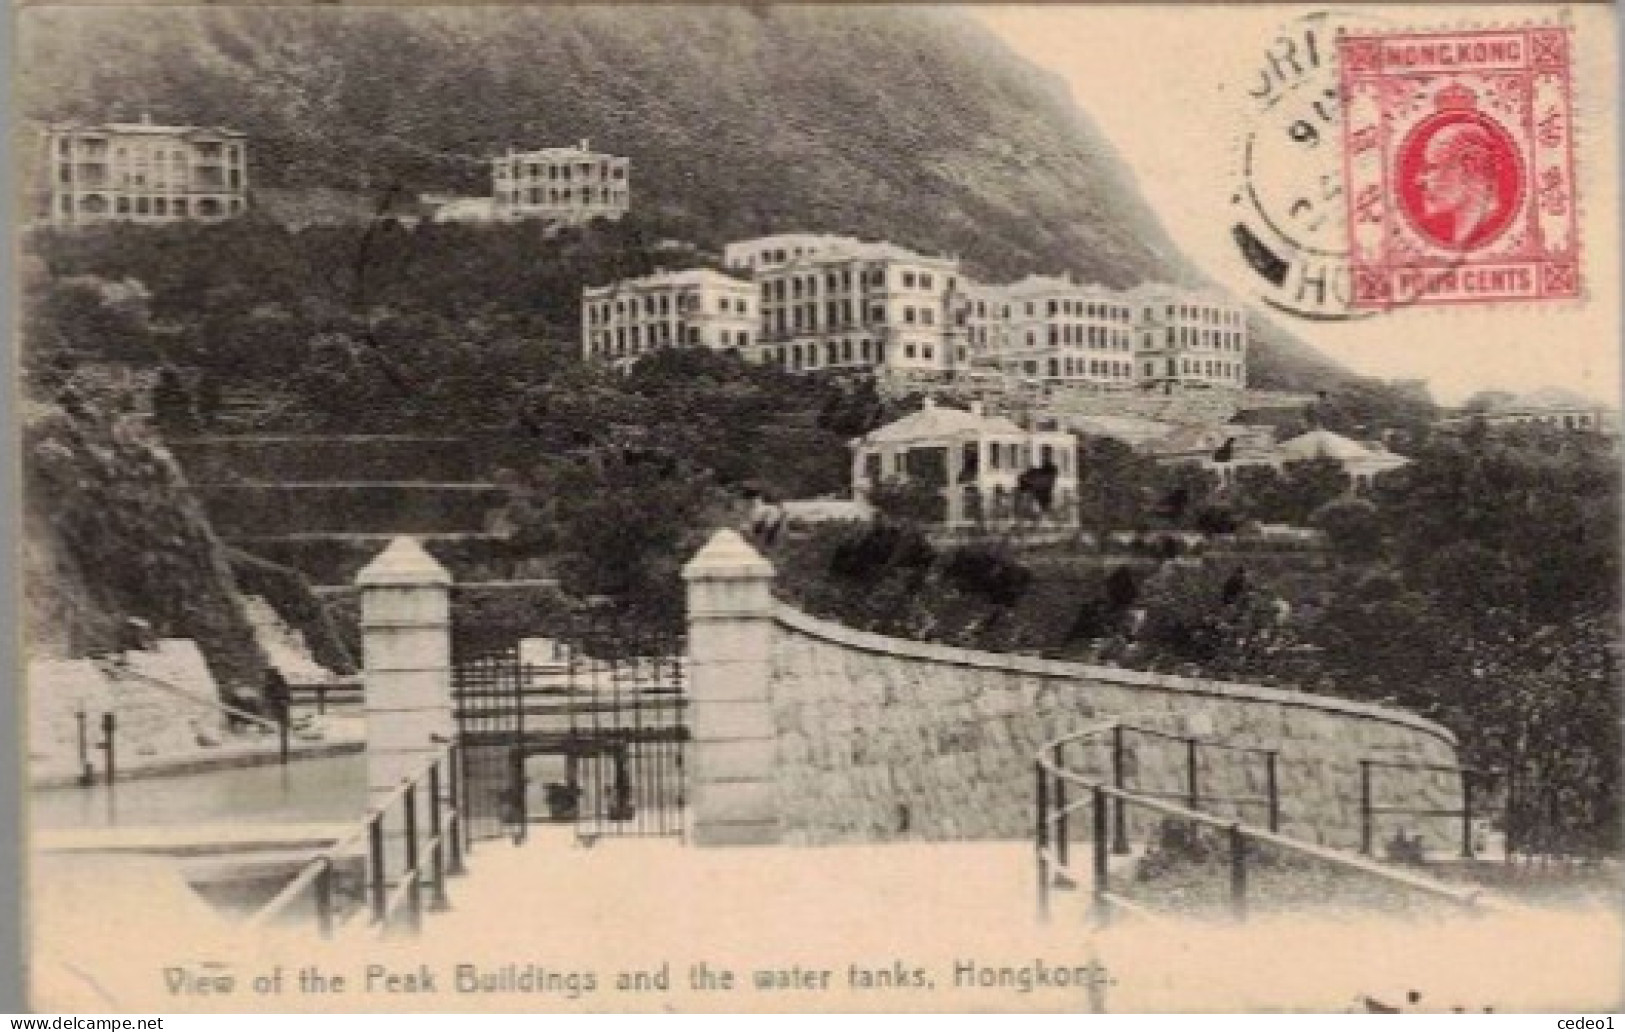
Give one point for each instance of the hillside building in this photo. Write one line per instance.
(975, 461)
(144, 173)
(1551, 408)
(1186, 339)
(831, 302)
(691, 308)
(1061, 332)
(861, 306)
(569, 185)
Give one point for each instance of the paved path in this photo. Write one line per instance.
(553, 925)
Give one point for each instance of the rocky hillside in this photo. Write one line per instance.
(111, 531)
(911, 124)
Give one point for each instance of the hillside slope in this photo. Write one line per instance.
(911, 124)
(111, 531)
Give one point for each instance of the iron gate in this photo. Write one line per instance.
(572, 717)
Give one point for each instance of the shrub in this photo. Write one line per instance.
(989, 570)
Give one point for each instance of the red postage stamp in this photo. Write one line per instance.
(1459, 167)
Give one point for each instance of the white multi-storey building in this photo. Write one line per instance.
(861, 306)
(830, 302)
(691, 308)
(569, 185)
(985, 315)
(1062, 332)
(1187, 339)
(141, 172)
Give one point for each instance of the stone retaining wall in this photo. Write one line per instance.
(884, 739)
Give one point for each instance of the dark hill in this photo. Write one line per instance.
(911, 124)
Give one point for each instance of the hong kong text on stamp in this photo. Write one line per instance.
(1459, 167)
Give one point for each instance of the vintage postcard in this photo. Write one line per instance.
(784, 508)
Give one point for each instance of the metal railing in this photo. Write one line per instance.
(1108, 798)
(421, 821)
(320, 695)
(1370, 810)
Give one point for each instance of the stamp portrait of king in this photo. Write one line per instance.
(1458, 157)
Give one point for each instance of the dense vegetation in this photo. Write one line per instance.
(1478, 586)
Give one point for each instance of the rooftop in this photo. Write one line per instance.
(1549, 399)
(146, 127)
(934, 422)
(675, 278)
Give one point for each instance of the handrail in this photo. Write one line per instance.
(445, 832)
(119, 672)
(1054, 810)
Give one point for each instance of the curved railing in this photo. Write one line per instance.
(1108, 799)
(430, 837)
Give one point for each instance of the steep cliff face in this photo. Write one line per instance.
(907, 123)
(111, 531)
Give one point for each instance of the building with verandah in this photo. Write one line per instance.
(569, 185)
(973, 460)
(144, 173)
(690, 308)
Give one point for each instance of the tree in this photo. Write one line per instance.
(1352, 526)
(172, 407)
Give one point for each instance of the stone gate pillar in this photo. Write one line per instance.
(406, 647)
(734, 749)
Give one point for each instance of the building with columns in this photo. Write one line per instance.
(974, 460)
(570, 185)
(690, 308)
(144, 173)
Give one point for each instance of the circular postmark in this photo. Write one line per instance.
(1287, 204)
(1289, 208)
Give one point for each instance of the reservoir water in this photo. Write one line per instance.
(328, 789)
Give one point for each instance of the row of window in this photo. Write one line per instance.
(1086, 336)
(842, 352)
(1568, 422)
(1189, 336)
(840, 281)
(565, 195)
(1209, 368)
(1057, 368)
(1203, 314)
(562, 172)
(632, 339)
(178, 207)
(160, 179)
(657, 305)
(1082, 309)
(140, 153)
(804, 318)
